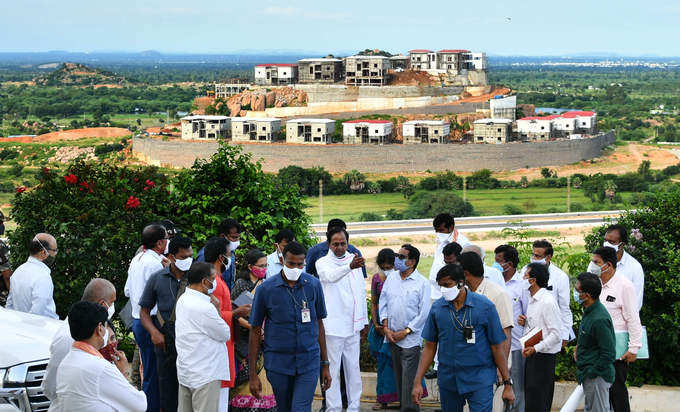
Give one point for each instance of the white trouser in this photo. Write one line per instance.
(348, 350)
(224, 400)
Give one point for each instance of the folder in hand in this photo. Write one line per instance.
(531, 338)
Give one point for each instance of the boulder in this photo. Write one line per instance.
(270, 98)
(257, 103)
(242, 113)
(234, 109)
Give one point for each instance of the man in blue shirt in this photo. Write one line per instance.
(320, 250)
(292, 306)
(275, 259)
(231, 230)
(403, 306)
(469, 330)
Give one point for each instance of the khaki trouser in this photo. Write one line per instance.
(203, 399)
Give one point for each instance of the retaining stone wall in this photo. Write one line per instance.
(387, 158)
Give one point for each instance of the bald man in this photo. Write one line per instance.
(99, 291)
(31, 287)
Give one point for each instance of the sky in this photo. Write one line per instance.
(522, 27)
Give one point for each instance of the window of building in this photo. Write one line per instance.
(264, 128)
(499, 130)
(542, 127)
(311, 70)
(318, 129)
(375, 64)
(436, 132)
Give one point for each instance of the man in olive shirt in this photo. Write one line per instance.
(596, 345)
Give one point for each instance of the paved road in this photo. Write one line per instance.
(472, 226)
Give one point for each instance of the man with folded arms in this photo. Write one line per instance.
(542, 315)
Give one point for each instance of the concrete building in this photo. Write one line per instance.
(563, 126)
(312, 131)
(535, 128)
(476, 61)
(400, 62)
(494, 131)
(276, 74)
(323, 70)
(586, 121)
(422, 59)
(367, 131)
(205, 127)
(253, 129)
(367, 70)
(451, 60)
(226, 90)
(425, 131)
(503, 107)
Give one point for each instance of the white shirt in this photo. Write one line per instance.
(544, 314)
(274, 266)
(629, 267)
(438, 260)
(88, 383)
(59, 348)
(31, 289)
(344, 290)
(500, 299)
(558, 284)
(201, 341)
(494, 275)
(141, 268)
(519, 296)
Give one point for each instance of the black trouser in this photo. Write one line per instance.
(405, 364)
(618, 392)
(168, 386)
(539, 382)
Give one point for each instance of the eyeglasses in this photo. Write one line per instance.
(400, 256)
(261, 266)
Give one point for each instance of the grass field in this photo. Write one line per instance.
(486, 202)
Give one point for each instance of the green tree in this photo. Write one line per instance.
(354, 180)
(429, 204)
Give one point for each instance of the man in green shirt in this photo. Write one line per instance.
(596, 345)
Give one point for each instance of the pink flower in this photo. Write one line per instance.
(635, 233)
(132, 203)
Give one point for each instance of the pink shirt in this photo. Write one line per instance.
(619, 297)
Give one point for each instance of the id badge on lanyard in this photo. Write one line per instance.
(305, 313)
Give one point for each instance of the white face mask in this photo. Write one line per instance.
(234, 245)
(594, 268)
(167, 247)
(184, 264)
(112, 310)
(388, 272)
(541, 261)
(527, 284)
(450, 294)
(607, 244)
(292, 274)
(106, 336)
(214, 286)
(442, 237)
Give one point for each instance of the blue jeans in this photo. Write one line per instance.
(148, 355)
(480, 400)
(294, 393)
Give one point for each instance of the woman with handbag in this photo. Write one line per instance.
(242, 400)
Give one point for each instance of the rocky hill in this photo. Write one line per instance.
(76, 74)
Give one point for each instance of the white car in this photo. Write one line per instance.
(24, 352)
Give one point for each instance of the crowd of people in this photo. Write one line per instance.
(214, 338)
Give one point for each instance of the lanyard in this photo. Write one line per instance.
(303, 305)
(465, 323)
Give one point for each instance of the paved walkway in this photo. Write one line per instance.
(367, 406)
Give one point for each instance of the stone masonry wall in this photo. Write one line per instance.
(387, 158)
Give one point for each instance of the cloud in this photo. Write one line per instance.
(289, 11)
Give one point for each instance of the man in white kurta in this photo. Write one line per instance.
(345, 293)
(445, 232)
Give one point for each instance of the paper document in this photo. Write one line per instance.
(245, 298)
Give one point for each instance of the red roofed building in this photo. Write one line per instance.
(365, 131)
(564, 125)
(275, 74)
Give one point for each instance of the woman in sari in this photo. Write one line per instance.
(241, 399)
(386, 387)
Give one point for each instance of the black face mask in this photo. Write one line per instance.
(50, 261)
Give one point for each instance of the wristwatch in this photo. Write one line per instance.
(507, 382)
(408, 331)
(325, 363)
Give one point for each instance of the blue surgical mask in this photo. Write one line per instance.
(498, 266)
(400, 265)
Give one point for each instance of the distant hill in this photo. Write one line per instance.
(76, 74)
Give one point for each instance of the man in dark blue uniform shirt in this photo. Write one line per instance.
(468, 329)
(292, 306)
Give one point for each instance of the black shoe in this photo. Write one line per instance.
(432, 374)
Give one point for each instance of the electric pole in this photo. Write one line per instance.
(320, 201)
(568, 194)
(464, 188)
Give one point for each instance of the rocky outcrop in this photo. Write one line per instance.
(258, 100)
